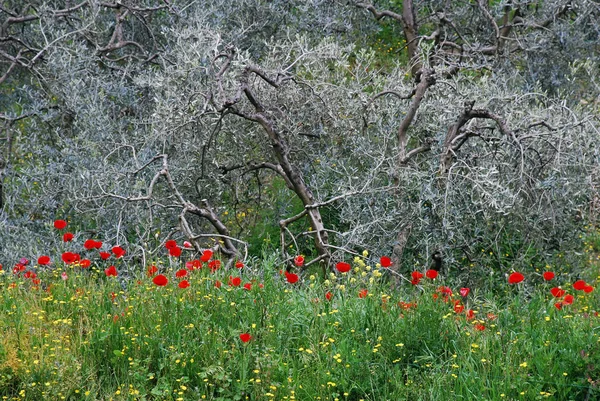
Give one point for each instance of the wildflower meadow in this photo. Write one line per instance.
(81, 324)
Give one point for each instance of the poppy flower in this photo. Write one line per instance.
(184, 284)
(218, 284)
(248, 286)
(70, 257)
(459, 308)
(470, 314)
(299, 261)
(239, 265)
(515, 278)
(60, 224)
(68, 237)
(30, 274)
(160, 280)
(175, 251)
(416, 281)
(104, 255)
(44, 260)
(417, 275)
(568, 300)
(548, 276)
(363, 293)
(479, 327)
(187, 244)
(328, 296)
(235, 281)
(558, 305)
(579, 285)
(214, 265)
(557, 292)
(432, 274)
(118, 251)
(464, 292)
(85, 263)
(89, 244)
(343, 267)
(245, 337)
(170, 244)
(206, 255)
(588, 288)
(385, 261)
(152, 270)
(181, 273)
(291, 277)
(111, 271)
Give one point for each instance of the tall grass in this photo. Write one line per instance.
(92, 337)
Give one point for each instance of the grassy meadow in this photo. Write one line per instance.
(181, 329)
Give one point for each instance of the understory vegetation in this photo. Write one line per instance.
(89, 326)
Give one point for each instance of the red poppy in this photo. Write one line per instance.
(579, 285)
(160, 280)
(291, 277)
(432, 274)
(588, 288)
(548, 276)
(44, 260)
(239, 265)
(89, 244)
(235, 281)
(118, 251)
(299, 261)
(175, 251)
(214, 265)
(568, 300)
(70, 257)
(68, 237)
(152, 270)
(328, 296)
(245, 337)
(343, 267)
(85, 263)
(206, 255)
(30, 274)
(363, 293)
(187, 244)
(170, 244)
(417, 275)
(470, 314)
(416, 281)
(111, 271)
(558, 305)
(557, 292)
(479, 327)
(515, 278)
(459, 308)
(218, 284)
(104, 255)
(184, 284)
(181, 273)
(464, 291)
(36, 281)
(385, 261)
(60, 224)
(248, 286)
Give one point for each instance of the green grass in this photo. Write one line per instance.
(69, 339)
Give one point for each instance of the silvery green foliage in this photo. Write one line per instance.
(102, 122)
